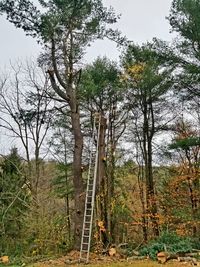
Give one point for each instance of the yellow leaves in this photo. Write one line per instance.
(101, 226)
(34, 252)
(137, 68)
(136, 71)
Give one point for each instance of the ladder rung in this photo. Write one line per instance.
(89, 221)
(83, 260)
(86, 249)
(88, 230)
(88, 212)
(89, 200)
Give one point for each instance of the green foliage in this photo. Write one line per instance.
(23, 14)
(62, 183)
(152, 250)
(13, 201)
(100, 83)
(185, 143)
(170, 242)
(46, 236)
(196, 243)
(87, 18)
(185, 19)
(147, 76)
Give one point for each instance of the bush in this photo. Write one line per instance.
(170, 242)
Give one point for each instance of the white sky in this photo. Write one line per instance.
(141, 20)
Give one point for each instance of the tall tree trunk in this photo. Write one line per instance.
(193, 189)
(70, 96)
(148, 132)
(79, 195)
(102, 182)
(67, 207)
(37, 171)
(152, 205)
(142, 199)
(111, 174)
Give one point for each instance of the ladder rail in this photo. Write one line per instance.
(88, 196)
(94, 184)
(88, 178)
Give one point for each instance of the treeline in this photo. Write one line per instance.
(148, 170)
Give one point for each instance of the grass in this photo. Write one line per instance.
(120, 264)
(128, 264)
(104, 264)
(139, 264)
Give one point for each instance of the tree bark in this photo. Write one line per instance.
(102, 181)
(148, 132)
(79, 196)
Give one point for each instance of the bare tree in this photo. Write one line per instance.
(25, 114)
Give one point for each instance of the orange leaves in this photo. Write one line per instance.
(4, 259)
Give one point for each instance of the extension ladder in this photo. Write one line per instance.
(90, 192)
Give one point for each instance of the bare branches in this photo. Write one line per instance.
(27, 113)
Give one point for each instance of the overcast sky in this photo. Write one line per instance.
(141, 20)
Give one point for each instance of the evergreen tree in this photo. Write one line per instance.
(13, 200)
(66, 28)
(148, 83)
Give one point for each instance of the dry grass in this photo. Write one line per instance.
(146, 263)
(71, 260)
(140, 264)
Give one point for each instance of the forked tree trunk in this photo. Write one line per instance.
(71, 98)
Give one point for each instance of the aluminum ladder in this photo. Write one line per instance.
(90, 192)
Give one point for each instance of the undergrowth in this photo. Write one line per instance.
(169, 242)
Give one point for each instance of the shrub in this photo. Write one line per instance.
(170, 242)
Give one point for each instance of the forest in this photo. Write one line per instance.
(147, 144)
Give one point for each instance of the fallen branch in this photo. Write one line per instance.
(187, 259)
